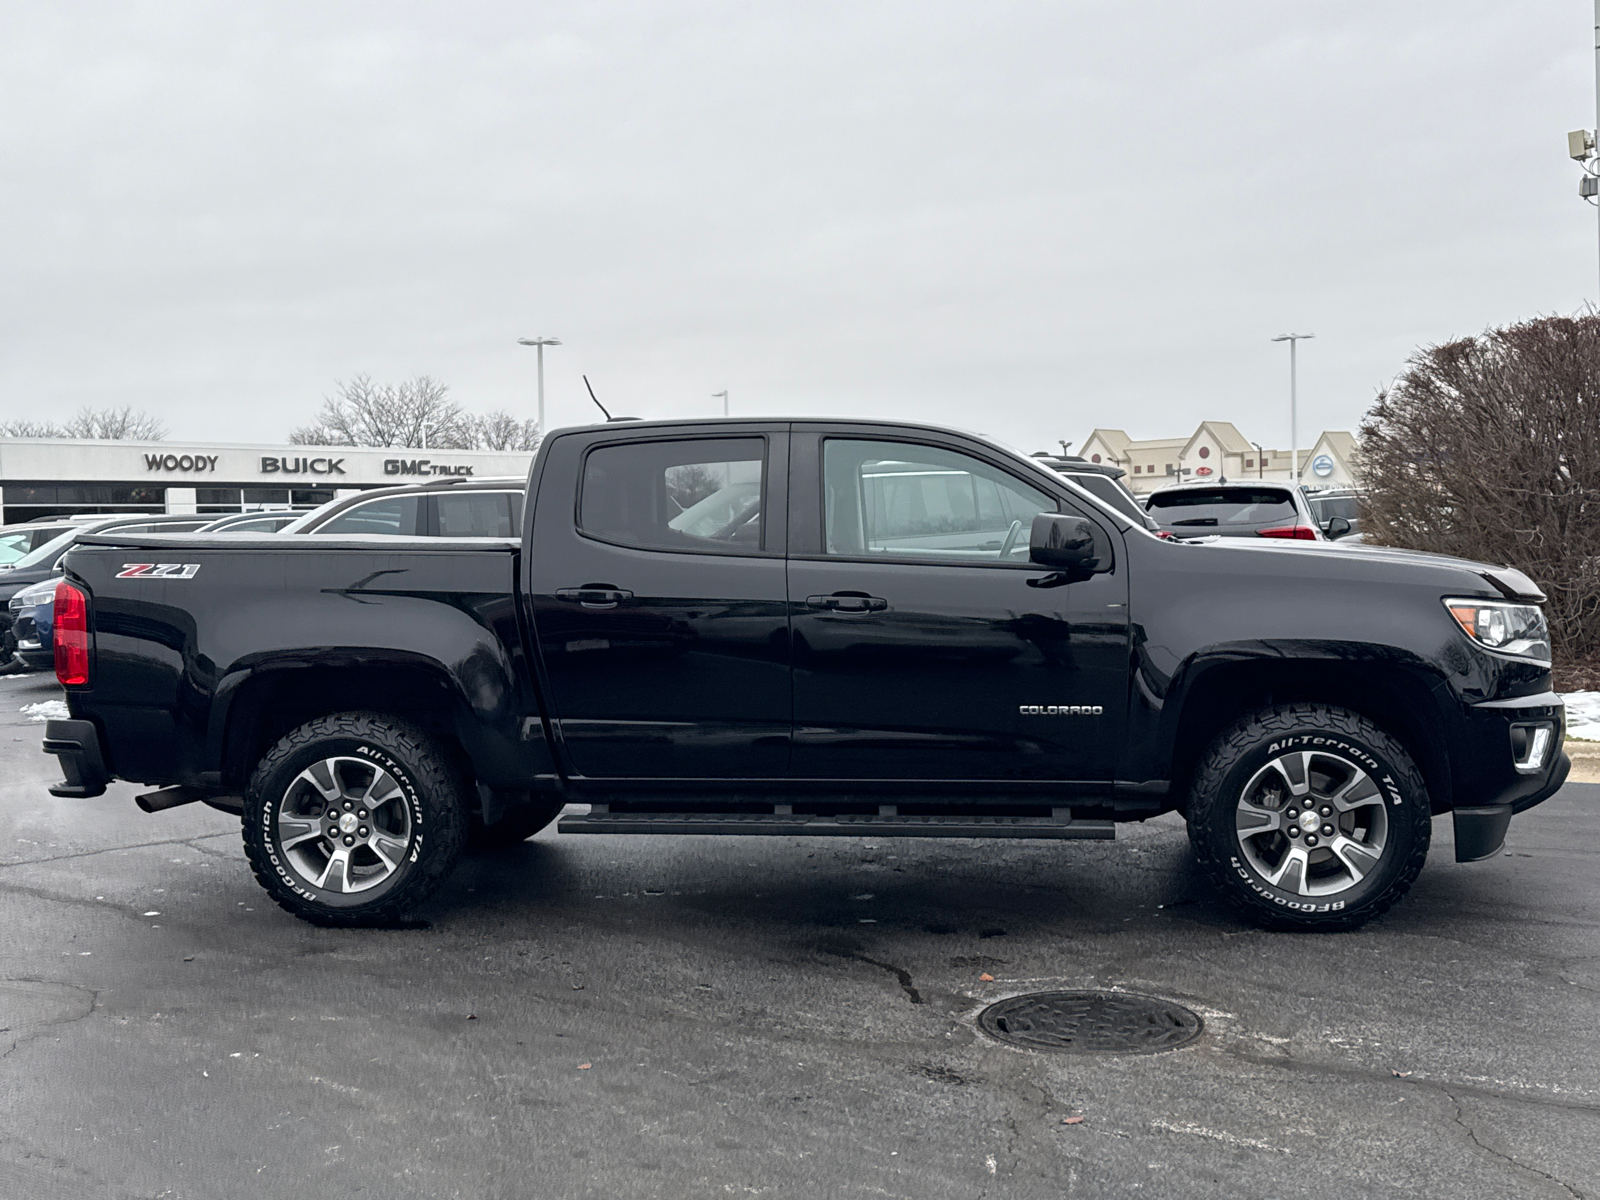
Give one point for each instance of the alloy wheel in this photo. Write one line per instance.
(1312, 822)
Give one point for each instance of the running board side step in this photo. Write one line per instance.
(847, 825)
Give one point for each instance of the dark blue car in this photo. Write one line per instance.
(32, 610)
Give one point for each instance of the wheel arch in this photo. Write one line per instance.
(271, 699)
(1398, 698)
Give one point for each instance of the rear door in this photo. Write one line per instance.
(925, 647)
(655, 578)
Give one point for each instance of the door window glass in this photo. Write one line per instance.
(14, 545)
(900, 500)
(393, 515)
(474, 514)
(702, 495)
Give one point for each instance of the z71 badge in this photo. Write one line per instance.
(158, 571)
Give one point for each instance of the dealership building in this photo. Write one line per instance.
(50, 477)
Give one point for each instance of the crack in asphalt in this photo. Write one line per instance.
(94, 1002)
(189, 841)
(900, 973)
(1472, 1134)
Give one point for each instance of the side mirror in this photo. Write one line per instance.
(1337, 527)
(1064, 543)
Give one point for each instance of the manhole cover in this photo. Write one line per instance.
(1090, 1023)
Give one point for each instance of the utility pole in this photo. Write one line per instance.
(542, 342)
(1294, 421)
(723, 394)
(1581, 142)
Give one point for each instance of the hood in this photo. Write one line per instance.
(1508, 582)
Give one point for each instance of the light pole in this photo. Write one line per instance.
(541, 343)
(1294, 421)
(723, 394)
(1261, 461)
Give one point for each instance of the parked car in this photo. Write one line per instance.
(30, 611)
(454, 507)
(821, 627)
(1100, 480)
(19, 540)
(1268, 510)
(1335, 504)
(253, 522)
(40, 563)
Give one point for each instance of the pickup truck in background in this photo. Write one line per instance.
(808, 628)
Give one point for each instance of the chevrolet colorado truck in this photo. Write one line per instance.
(802, 627)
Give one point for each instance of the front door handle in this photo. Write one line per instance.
(595, 595)
(848, 602)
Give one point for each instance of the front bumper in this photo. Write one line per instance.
(1511, 766)
(77, 745)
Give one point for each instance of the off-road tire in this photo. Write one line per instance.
(431, 793)
(1252, 743)
(517, 824)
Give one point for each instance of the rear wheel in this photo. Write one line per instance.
(1309, 817)
(353, 819)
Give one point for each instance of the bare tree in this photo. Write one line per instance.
(414, 413)
(501, 431)
(1489, 448)
(103, 424)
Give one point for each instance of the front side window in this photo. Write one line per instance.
(702, 494)
(393, 515)
(475, 514)
(892, 499)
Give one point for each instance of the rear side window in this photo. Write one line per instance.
(393, 515)
(14, 545)
(1201, 507)
(475, 514)
(702, 494)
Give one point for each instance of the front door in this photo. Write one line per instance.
(656, 587)
(925, 647)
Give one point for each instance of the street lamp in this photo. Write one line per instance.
(1261, 461)
(541, 343)
(1294, 424)
(723, 396)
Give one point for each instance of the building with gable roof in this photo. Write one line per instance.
(1217, 451)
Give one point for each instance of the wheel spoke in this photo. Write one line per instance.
(1295, 769)
(1359, 792)
(320, 776)
(390, 848)
(380, 791)
(293, 830)
(1253, 820)
(335, 876)
(1291, 873)
(1358, 857)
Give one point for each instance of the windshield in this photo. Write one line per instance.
(47, 554)
(721, 512)
(1222, 506)
(13, 546)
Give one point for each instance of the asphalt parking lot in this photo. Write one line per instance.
(627, 1017)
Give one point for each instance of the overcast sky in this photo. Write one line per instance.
(1028, 219)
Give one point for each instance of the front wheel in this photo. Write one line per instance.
(353, 819)
(1309, 817)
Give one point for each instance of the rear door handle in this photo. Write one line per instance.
(849, 602)
(595, 595)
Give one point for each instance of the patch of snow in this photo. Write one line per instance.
(1583, 715)
(56, 710)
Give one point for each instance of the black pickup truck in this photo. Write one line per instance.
(801, 628)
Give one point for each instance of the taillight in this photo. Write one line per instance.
(71, 620)
(1301, 533)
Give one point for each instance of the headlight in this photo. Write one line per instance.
(1515, 629)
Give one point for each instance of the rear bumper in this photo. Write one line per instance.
(77, 745)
